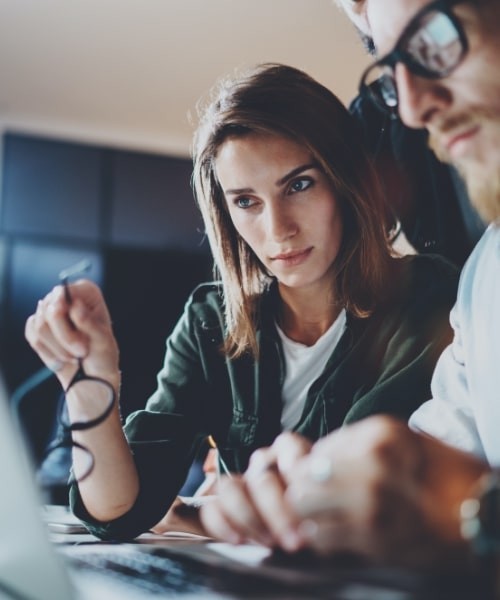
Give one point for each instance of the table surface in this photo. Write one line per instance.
(349, 580)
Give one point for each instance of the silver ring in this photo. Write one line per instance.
(320, 469)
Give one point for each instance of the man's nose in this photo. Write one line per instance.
(419, 98)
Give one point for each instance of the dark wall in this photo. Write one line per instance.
(133, 215)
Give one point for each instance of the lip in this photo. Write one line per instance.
(458, 142)
(292, 258)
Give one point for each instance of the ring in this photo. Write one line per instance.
(320, 469)
(55, 365)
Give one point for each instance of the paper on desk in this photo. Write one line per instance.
(248, 554)
(54, 513)
(172, 535)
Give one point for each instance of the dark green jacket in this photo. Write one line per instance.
(382, 364)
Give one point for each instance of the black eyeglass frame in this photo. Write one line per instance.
(65, 439)
(397, 54)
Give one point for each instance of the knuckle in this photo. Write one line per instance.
(259, 456)
(28, 328)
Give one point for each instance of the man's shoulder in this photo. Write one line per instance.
(480, 273)
(487, 250)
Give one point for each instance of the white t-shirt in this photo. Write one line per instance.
(303, 365)
(465, 406)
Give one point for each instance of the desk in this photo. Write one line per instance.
(252, 572)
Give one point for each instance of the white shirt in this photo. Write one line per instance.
(465, 406)
(303, 365)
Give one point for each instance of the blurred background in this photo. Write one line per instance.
(97, 108)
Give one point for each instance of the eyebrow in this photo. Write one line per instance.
(290, 175)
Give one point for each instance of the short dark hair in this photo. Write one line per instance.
(367, 41)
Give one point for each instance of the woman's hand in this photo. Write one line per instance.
(253, 507)
(62, 333)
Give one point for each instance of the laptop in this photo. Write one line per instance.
(29, 568)
(32, 567)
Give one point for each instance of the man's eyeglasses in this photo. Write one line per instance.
(98, 400)
(432, 45)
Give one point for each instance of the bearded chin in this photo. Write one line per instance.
(483, 183)
(484, 190)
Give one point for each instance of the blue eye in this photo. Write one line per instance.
(244, 202)
(300, 185)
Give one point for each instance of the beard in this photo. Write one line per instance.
(481, 173)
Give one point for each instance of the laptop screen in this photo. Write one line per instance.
(29, 567)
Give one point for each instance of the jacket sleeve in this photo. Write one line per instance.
(163, 437)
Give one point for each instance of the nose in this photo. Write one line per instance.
(280, 222)
(419, 99)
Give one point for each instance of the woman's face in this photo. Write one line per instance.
(283, 206)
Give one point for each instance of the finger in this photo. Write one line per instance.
(261, 460)
(327, 536)
(309, 500)
(218, 525)
(52, 361)
(316, 488)
(41, 339)
(240, 510)
(89, 298)
(267, 491)
(98, 330)
(62, 327)
(289, 449)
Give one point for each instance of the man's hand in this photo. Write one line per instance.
(379, 490)
(252, 507)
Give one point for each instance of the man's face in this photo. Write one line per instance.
(461, 111)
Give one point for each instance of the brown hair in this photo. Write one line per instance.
(285, 101)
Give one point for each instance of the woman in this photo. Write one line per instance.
(313, 324)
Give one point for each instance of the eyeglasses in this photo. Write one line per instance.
(97, 398)
(432, 45)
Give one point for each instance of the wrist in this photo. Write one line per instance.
(480, 527)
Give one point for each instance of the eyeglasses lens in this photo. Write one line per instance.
(435, 45)
(98, 397)
(432, 48)
(82, 462)
(98, 400)
(382, 86)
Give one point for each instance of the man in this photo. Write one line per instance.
(426, 196)
(378, 488)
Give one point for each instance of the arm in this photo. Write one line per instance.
(62, 334)
(138, 470)
(164, 437)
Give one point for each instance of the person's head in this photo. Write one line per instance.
(440, 63)
(266, 121)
